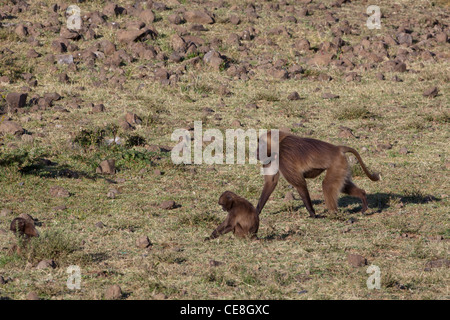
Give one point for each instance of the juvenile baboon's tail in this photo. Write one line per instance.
(372, 176)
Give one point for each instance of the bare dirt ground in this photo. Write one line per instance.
(137, 70)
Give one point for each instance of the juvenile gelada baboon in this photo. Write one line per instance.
(303, 158)
(242, 219)
(23, 227)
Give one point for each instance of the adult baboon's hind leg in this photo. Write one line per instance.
(351, 189)
(332, 185)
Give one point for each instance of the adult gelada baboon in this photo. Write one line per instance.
(302, 158)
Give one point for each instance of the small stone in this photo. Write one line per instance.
(132, 118)
(236, 124)
(197, 16)
(111, 194)
(175, 19)
(21, 31)
(107, 167)
(59, 192)
(32, 296)
(46, 264)
(404, 38)
(214, 263)
(16, 100)
(234, 19)
(167, 205)
(442, 37)
(356, 260)
(293, 96)
(439, 263)
(98, 108)
(431, 92)
(328, 95)
(100, 225)
(143, 242)
(147, 16)
(380, 76)
(159, 296)
(10, 127)
(113, 292)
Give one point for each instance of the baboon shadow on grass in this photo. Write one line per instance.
(48, 169)
(377, 202)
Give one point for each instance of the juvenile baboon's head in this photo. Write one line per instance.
(226, 200)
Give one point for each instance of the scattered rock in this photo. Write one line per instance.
(442, 37)
(431, 92)
(128, 36)
(167, 205)
(214, 263)
(404, 38)
(147, 16)
(21, 30)
(356, 260)
(59, 192)
(16, 100)
(214, 59)
(328, 95)
(197, 16)
(384, 146)
(294, 96)
(113, 292)
(132, 118)
(143, 242)
(175, 19)
(32, 296)
(107, 167)
(380, 76)
(346, 133)
(439, 263)
(10, 127)
(100, 225)
(234, 19)
(98, 108)
(159, 296)
(44, 264)
(321, 59)
(236, 124)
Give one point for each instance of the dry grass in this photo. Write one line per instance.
(408, 223)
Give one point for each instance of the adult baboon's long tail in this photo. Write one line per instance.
(372, 176)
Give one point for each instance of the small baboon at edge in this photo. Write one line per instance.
(241, 219)
(303, 158)
(23, 227)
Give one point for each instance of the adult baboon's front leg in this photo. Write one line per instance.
(270, 182)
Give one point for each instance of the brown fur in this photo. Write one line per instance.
(242, 219)
(23, 227)
(302, 158)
